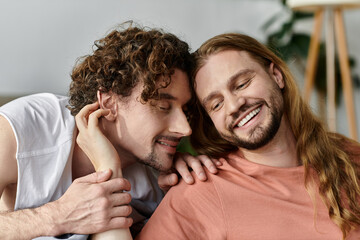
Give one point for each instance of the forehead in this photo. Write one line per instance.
(178, 89)
(220, 67)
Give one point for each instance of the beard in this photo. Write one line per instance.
(259, 136)
(153, 160)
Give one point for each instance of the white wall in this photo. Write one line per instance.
(41, 39)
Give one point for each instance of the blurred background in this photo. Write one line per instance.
(40, 40)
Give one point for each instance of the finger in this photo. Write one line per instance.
(119, 199)
(166, 181)
(81, 117)
(183, 170)
(89, 108)
(96, 177)
(85, 111)
(120, 222)
(196, 166)
(121, 211)
(94, 117)
(209, 163)
(217, 162)
(221, 160)
(117, 185)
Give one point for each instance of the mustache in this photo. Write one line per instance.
(170, 138)
(242, 109)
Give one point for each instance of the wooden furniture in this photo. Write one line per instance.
(332, 11)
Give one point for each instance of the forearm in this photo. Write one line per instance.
(29, 223)
(112, 164)
(102, 155)
(115, 234)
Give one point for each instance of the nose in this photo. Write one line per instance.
(233, 103)
(179, 124)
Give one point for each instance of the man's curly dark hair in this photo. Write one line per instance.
(124, 58)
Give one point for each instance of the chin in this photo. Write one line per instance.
(161, 164)
(165, 165)
(160, 167)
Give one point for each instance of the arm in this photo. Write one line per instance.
(70, 213)
(83, 209)
(22, 224)
(27, 224)
(101, 153)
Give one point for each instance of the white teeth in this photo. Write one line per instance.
(248, 117)
(164, 144)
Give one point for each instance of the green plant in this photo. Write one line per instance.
(185, 147)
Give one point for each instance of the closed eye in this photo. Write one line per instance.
(161, 105)
(216, 106)
(243, 84)
(164, 107)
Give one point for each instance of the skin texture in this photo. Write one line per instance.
(163, 124)
(87, 122)
(148, 132)
(231, 85)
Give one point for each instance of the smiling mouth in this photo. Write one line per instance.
(167, 144)
(248, 117)
(168, 141)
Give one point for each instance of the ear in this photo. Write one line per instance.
(108, 101)
(277, 75)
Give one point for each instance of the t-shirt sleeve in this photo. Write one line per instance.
(187, 212)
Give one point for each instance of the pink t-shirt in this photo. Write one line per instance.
(244, 200)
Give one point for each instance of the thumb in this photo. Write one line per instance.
(166, 181)
(96, 177)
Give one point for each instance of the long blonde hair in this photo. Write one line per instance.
(331, 156)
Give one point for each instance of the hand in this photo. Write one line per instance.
(93, 204)
(182, 163)
(92, 141)
(102, 155)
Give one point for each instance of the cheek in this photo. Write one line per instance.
(218, 120)
(143, 126)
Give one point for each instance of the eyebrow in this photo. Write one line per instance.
(230, 82)
(166, 96)
(209, 98)
(240, 73)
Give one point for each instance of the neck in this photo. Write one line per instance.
(112, 131)
(279, 152)
(81, 164)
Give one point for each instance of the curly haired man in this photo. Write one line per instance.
(135, 88)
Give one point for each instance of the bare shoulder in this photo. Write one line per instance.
(8, 164)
